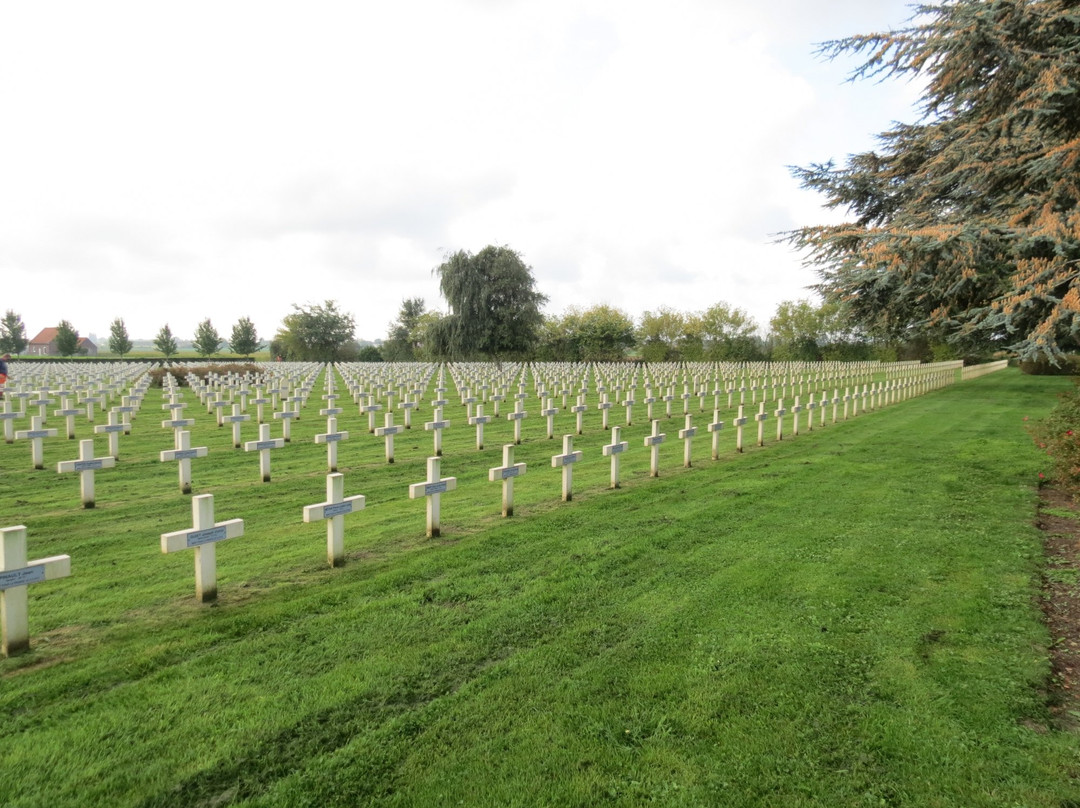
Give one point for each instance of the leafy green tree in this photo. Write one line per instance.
(605, 333)
(600, 333)
(729, 334)
(659, 333)
(119, 341)
(402, 340)
(166, 342)
(244, 339)
(319, 333)
(494, 305)
(369, 353)
(963, 225)
(796, 329)
(207, 340)
(67, 339)
(12, 333)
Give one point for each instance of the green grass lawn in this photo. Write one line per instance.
(846, 618)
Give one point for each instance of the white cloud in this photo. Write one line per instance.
(169, 163)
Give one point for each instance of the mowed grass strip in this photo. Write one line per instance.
(845, 618)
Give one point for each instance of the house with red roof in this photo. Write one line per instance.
(44, 344)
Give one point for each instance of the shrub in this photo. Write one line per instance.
(1059, 436)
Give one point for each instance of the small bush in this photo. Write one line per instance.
(202, 372)
(1059, 436)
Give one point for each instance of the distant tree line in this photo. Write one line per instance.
(494, 313)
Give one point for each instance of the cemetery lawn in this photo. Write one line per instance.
(849, 617)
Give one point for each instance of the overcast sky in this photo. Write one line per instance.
(168, 162)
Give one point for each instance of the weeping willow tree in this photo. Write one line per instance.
(964, 225)
(494, 305)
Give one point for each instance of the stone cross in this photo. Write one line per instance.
(16, 573)
(686, 435)
(260, 402)
(36, 435)
(334, 510)
(715, 428)
(795, 417)
(86, 465)
(566, 462)
(407, 407)
(579, 410)
(331, 438)
(810, 407)
(780, 413)
(507, 472)
(203, 537)
(614, 450)
(549, 412)
(654, 440)
(437, 426)
(628, 402)
(739, 423)
(387, 432)
(177, 425)
(113, 429)
(433, 488)
(286, 417)
(8, 416)
(42, 402)
(370, 406)
(516, 416)
(479, 420)
(183, 453)
(236, 419)
(760, 417)
(68, 413)
(604, 406)
(90, 401)
(263, 446)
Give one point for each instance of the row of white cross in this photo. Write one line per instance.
(16, 573)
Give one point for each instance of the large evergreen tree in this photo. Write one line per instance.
(965, 224)
(495, 307)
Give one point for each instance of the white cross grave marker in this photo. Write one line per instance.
(8, 416)
(387, 432)
(479, 420)
(263, 446)
(86, 465)
(36, 434)
(203, 537)
(715, 428)
(236, 419)
(331, 438)
(516, 416)
(113, 429)
(16, 573)
(614, 450)
(437, 426)
(687, 435)
(183, 453)
(334, 510)
(433, 488)
(739, 423)
(654, 440)
(507, 472)
(566, 462)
